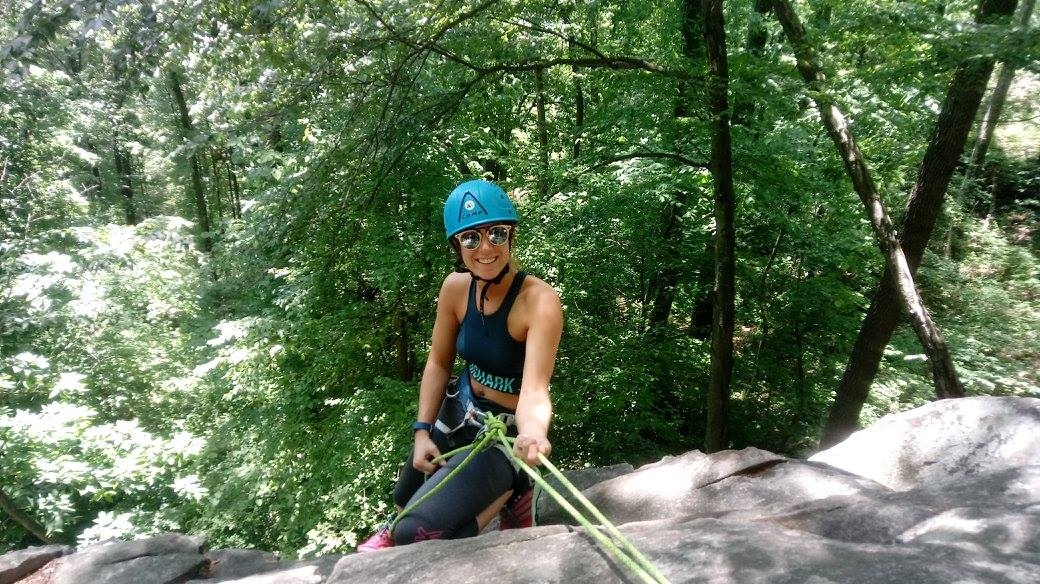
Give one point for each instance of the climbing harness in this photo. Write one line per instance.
(463, 396)
(492, 433)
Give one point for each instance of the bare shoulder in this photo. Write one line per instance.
(456, 282)
(453, 292)
(539, 297)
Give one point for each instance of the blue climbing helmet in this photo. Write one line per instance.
(476, 202)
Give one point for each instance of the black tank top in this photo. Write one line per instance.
(494, 358)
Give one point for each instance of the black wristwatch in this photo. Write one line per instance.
(416, 426)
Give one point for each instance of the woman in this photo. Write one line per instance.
(506, 326)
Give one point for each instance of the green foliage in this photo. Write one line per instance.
(260, 394)
(987, 301)
(96, 338)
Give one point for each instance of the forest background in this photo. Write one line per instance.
(221, 240)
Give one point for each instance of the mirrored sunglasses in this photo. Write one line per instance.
(496, 234)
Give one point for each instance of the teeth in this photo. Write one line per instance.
(486, 261)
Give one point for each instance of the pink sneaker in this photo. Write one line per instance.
(379, 540)
(517, 512)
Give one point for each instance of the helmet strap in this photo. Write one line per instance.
(483, 293)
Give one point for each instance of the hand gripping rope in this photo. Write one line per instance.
(494, 431)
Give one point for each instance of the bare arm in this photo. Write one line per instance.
(436, 373)
(534, 409)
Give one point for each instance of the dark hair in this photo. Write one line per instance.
(460, 266)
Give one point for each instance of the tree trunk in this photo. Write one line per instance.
(95, 190)
(579, 116)
(763, 304)
(943, 372)
(933, 177)
(993, 109)
(661, 290)
(236, 194)
(716, 437)
(579, 96)
(188, 130)
(990, 117)
(757, 36)
(217, 190)
(401, 346)
(23, 519)
(664, 282)
(543, 135)
(693, 49)
(757, 33)
(126, 186)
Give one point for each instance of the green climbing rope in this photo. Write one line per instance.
(613, 541)
(476, 447)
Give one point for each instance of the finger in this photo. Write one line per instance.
(532, 454)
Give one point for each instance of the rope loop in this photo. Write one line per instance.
(494, 430)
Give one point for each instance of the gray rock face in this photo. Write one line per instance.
(962, 505)
(701, 485)
(943, 441)
(233, 564)
(18, 564)
(546, 508)
(776, 489)
(692, 550)
(667, 488)
(164, 558)
(258, 567)
(1010, 533)
(886, 517)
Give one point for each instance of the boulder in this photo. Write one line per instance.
(969, 512)
(546, 507)
(666, 488)
(16, 565)
(688, 550)
(776, 489)
(856, 518)
(233, 564)
(697, 484)
(161, 559)
(943, 441)
(884, 517)
(1004, 532)
(257, 567)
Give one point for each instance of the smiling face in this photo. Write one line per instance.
(486, 260)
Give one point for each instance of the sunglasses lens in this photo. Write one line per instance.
(469, 239)
(498, 234)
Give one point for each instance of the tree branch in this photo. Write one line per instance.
(524, 23)
(653, 154)
(23, 519)
(599, 61)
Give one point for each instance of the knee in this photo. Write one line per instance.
(412, 528)
(402, 493)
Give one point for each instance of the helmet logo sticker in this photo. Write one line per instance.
(470, 207)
